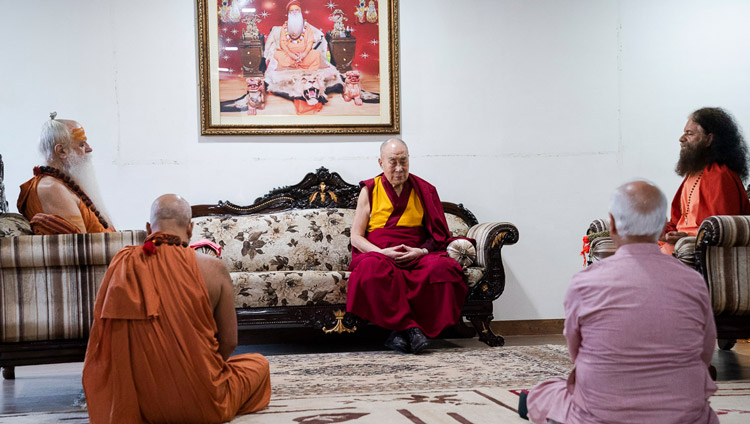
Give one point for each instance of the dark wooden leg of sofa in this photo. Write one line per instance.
(482, 324)
(463, 330)
(9, 373)
(726, 344)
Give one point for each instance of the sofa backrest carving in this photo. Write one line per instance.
(304, 227)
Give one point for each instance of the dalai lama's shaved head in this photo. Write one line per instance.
(394, 161)
(170, 210)
(393, 143)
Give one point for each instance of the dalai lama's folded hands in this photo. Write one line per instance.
(402, 254)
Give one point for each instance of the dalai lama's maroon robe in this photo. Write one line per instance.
(427, 292)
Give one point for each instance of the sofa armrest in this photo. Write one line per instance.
(597, 226)
(724, 231)
(722, 254)
(490, 238)
(65, 249)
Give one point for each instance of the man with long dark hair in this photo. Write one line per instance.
(714, 162)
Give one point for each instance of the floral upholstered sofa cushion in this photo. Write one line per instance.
(292, 258)
(13, 224)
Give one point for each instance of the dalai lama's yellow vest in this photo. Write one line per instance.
(381, 209)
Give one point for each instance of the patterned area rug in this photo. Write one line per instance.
(378, 372)
(466, 386)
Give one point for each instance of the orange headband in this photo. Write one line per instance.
(79, 134)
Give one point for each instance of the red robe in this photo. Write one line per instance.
(428, 292)
(721, 193)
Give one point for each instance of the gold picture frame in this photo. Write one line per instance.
(343, 79)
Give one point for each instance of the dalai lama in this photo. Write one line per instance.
(402, 279)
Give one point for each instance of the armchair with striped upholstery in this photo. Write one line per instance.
(48, 289)
(721, 253)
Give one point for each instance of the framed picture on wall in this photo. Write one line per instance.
(279, 67)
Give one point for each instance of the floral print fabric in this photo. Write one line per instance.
(291, 258)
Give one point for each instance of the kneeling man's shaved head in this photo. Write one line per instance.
(170, 209)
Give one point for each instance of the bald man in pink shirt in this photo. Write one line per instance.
(639, 328)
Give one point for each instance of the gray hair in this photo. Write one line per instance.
(54, 132)
(638, 208)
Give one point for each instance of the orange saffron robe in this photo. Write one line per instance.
(688, 222)
(30, 205)
(153, 355)
(718, 192)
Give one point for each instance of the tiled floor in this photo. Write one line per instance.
(56, 387)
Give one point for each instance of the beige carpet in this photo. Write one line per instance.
(465, 386)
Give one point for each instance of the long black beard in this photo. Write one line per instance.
(693, 160)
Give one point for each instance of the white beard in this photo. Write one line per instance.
(81, 170)
(294, 24)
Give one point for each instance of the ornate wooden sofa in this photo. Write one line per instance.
(288, 255)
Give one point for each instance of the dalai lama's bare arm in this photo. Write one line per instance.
(221, 295)
(400, 253)
(57, 199)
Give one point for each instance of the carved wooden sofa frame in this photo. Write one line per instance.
(325, 189)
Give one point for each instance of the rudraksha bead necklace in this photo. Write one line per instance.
(65, 178)
(165, 238)
(690, 196)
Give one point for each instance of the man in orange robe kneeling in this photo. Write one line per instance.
(164, 328)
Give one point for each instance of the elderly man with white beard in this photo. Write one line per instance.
(296, 41)
(63, 196)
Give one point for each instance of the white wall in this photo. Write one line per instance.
(525, 111)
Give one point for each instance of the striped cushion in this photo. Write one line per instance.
(684, 250)
(726, 230)
(729, 279)
(598, 225)
(489, 235)
(48, 283)
(601, 248)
